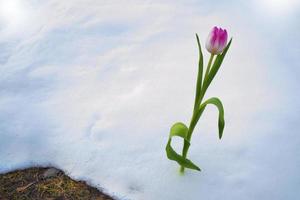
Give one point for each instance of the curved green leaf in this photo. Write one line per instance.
(179, 129)
(221, 122)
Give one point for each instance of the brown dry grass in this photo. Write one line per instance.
(31, 184)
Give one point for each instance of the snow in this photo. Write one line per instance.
(92, 87)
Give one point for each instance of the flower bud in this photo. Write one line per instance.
(216, 40)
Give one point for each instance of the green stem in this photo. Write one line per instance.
(194, 120)
(209, 65)
(196, 115)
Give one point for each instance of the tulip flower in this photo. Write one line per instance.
(216, 40)
(217, 45)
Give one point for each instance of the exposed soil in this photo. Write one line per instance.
(45, 184)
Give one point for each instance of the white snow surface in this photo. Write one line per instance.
(92, 87)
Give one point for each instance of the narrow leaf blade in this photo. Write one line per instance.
(172, 155)
(215, 68)
(200, 73)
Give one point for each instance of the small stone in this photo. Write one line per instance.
(51, 172)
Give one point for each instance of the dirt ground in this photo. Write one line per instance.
(45, 184)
